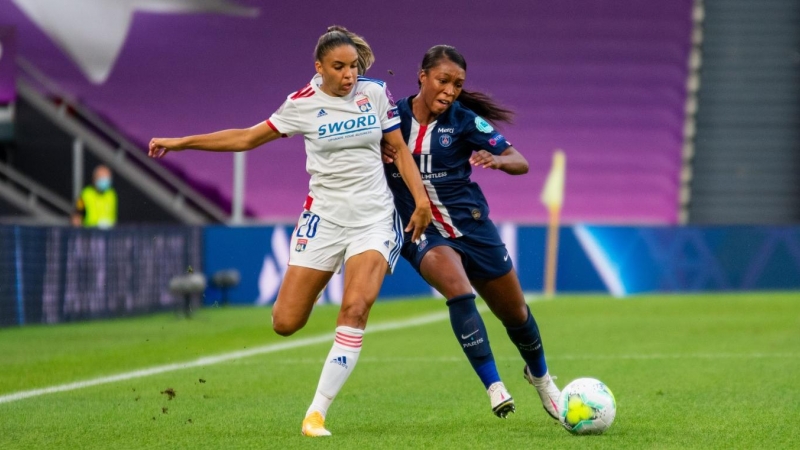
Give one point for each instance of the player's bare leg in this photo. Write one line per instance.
(298, 293)
(503, 295)
(442, 268)
(363, 277)
(506, 300)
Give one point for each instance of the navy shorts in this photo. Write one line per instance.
(483, 253)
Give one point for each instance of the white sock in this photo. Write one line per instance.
(338, 365)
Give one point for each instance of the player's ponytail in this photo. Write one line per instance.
(480, 103)
(336, 36)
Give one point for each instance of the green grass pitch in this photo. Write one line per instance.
(688, 371)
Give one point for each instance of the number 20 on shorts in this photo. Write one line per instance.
(308, 228)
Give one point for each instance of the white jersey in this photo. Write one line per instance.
(342, 138)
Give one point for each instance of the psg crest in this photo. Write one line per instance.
(364, 105)
(445, 140)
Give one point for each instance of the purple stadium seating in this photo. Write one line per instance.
(604, 80)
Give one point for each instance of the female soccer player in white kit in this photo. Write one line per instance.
(348, 217)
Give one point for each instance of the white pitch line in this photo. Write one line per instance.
(224, 357)
(217, 359)
(460, 358)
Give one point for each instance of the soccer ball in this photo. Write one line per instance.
(586, 406)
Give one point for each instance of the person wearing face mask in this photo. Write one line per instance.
(97, 205)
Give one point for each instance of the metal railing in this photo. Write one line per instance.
(43, 205)
(183, 193)
(36, 193)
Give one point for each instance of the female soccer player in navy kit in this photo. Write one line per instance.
(461, 248)
(348, 217)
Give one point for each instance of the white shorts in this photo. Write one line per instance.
(322, 245)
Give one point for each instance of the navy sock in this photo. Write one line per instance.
(529, 344)
(471, 334)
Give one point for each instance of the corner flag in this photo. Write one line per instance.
(553, 192)
(553, 198)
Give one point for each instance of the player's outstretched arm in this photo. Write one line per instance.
(408, 170)
(235, 140)
(510, 161)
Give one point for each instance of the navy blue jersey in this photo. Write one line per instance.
(442, 150)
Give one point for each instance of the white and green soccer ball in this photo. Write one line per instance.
(586, 406)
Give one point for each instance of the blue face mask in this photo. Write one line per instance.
(102, 184)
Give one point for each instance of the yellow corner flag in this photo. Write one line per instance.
(553, 198)
(553, 192)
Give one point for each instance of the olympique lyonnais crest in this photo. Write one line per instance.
(364, 104)
(301, 245)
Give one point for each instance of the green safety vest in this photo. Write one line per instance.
(100, 207)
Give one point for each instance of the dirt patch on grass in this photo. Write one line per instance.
(169, 392)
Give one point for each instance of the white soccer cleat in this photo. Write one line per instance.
(547, 389)
(314, 425)
(502, 403)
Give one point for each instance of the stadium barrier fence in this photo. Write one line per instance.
(61, 274)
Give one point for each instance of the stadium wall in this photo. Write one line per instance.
(619, 260)
(58, 274)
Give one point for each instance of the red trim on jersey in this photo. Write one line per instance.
(420, 137)
(271, 125)
(307, 204)
(307, 94)
(302, 92)
(437, 216)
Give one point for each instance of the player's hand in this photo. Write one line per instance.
(484, 159)
(159, 147)
(419, 221)
(387, 152)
